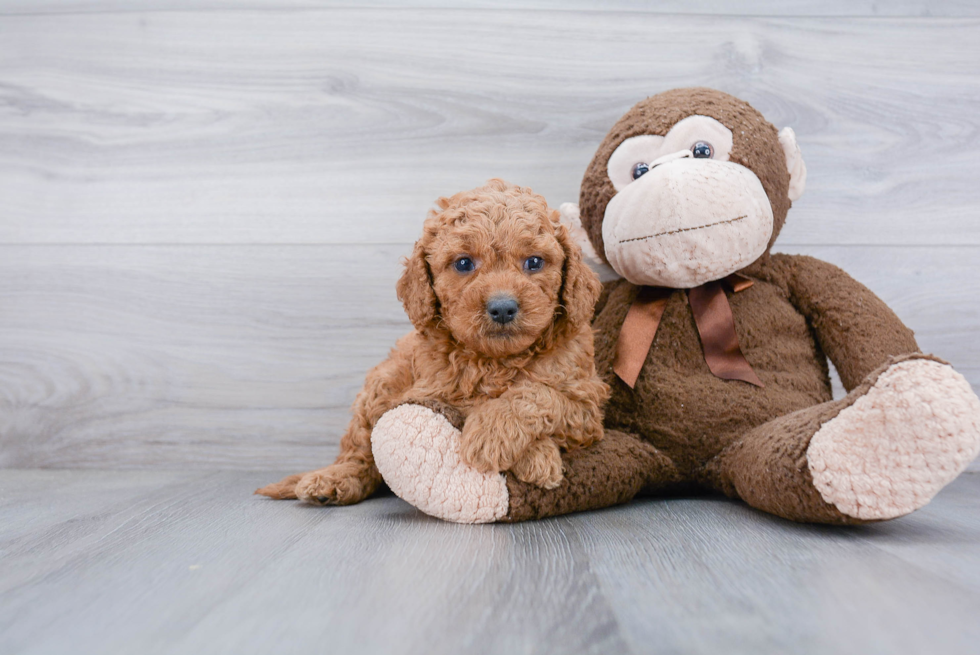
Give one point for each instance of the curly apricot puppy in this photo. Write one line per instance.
(501, 303)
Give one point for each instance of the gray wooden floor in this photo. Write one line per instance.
(170, 562)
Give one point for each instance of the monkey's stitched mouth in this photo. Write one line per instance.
(685, 229)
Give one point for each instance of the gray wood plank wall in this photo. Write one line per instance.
(203, 205)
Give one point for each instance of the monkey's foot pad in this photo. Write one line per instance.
(417, 452)
(889, 453)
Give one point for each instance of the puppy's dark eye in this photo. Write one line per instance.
(464, 265)
(640, 169)
(533, 264)
(702, 150)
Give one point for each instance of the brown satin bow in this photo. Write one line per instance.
(716, 325)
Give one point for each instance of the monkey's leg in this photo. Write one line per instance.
(881, 452)
(417, 452)
(609, 472)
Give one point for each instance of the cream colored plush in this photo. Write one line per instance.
(895, 447)
(794, 163)
(417, 452)
(687, 222)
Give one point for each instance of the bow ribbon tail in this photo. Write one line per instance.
(637, 332)
(716, 325)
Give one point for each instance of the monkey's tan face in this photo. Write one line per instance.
(683, 214)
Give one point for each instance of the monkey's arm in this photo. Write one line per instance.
(855, 328)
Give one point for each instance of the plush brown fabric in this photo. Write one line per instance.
(768, 466)
(681, 423)
(609, 472)
(853, 326)
(742, 440)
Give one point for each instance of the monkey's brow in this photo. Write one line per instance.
(684, 229)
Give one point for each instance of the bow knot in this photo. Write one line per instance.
(716, 327)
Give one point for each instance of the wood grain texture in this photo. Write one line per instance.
(250, 356)
(771, 586)
(343, 125)
(174, 354)
(180, 182)
(178, 562)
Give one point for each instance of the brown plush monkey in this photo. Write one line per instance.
(717, 350)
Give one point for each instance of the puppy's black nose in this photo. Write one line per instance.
(502, 309)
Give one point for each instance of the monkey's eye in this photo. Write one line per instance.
(702, 150)
(464, 265)
(639, 170)
(533, 264)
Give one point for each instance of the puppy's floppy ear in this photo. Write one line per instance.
(415, 291)
(580, 286)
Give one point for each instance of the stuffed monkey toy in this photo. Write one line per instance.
(716, 350)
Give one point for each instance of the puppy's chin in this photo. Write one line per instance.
(499, 342)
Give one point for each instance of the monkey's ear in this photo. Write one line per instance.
(580, 288)
(794, 162)
(415, 291)
(571, 218)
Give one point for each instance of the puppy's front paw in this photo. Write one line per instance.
(338, 484)
(490, 442)
(540, 464)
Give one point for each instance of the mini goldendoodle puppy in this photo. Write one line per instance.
(501, 303)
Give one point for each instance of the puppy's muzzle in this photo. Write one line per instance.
(502, 308)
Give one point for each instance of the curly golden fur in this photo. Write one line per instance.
(525, 389)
